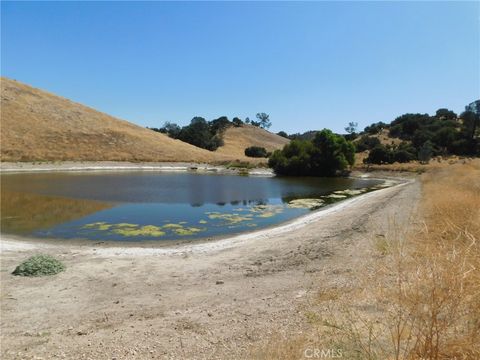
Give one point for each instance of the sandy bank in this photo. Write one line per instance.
(6, 167)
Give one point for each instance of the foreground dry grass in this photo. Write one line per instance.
(412, 166)
(418, 297)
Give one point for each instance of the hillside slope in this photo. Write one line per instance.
(39, 126)
(236, 139)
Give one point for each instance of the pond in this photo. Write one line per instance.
(139, 205)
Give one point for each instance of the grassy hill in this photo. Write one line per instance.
(36, 125)
(236, 139)
(40, 126)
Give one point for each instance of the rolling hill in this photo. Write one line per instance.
(236, 139)
(40, 126)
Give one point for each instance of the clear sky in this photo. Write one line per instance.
(309, 65)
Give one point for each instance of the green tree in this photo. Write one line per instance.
(327, 154)
(219, 124)
(351, 128)
(172, 129)
(263, 120)
(471, 122)
(366, 143)
(375, 128)
(197, 133)
(403, 156)
(444, 138)
(380, 154)
(445, 114)
(237, 122)
(425, 152)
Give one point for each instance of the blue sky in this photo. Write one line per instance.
(309, 65)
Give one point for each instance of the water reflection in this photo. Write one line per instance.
(160, 187)
(24, 213)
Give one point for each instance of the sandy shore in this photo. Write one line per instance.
(205, 300)
(6, 167)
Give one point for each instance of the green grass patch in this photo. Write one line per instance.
(39, 265)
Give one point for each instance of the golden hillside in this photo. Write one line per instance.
(236, 139)
(37, 125)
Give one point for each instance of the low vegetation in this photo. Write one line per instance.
(240, 165)
(256, 151)
(39, 265)
(327, 154)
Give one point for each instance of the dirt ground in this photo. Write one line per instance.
(212, 300)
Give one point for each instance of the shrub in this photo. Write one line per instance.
(379, 155)
(256, 151)
(237, 122)
(214, 143)
(375, 128)
(403, 156)
(326, 155)
(425, 152)
(366, 143)
(39, 265)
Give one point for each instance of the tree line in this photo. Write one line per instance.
(208, 134)
(423, 136)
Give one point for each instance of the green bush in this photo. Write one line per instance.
(375, 128)
(327, 154)
(256, 151)
(380, 154)
(366, 143)
(39, 265)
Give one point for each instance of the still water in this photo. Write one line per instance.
(139, 206)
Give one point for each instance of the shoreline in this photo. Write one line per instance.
(8, 242)
(71, 166)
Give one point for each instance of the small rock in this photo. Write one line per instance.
(219, 282)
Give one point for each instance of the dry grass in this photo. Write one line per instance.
(419, 297)
(39, 126)
(237, 139)
(412, 167)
